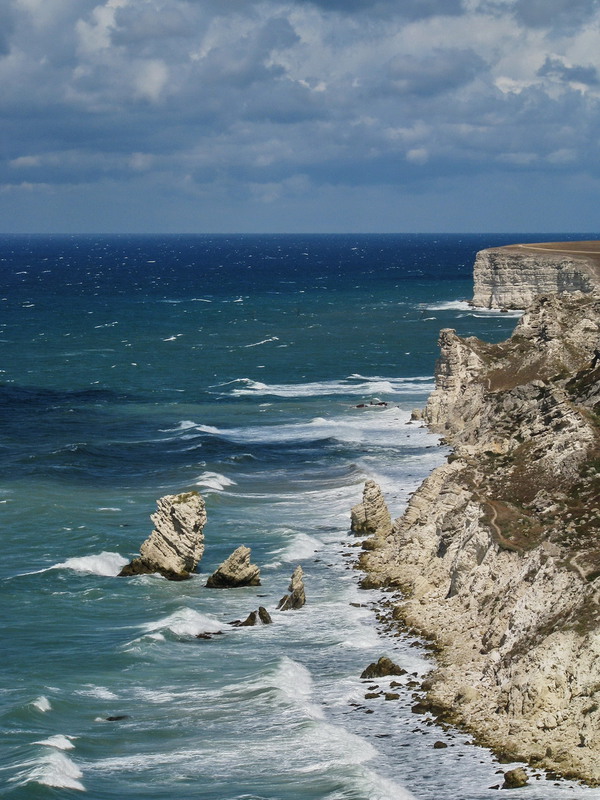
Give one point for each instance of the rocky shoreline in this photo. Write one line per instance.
(496, 559)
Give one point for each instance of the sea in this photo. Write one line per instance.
(274, 374)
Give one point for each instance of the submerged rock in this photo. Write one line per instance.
(297, 597)
(176, 545)
(371, 517)
(235, 571)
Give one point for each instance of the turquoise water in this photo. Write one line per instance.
(134, 367)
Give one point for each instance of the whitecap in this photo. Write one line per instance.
(58, 741)
(184, 622)
(42, 704)
(263, 341)
(214, 480)
(55, 769)
(365, 387)
(105, 563)
(100, 692)
(303, 546)
(448, 305)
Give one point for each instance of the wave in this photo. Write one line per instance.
(214, 480)
(449, 305)
(54, 769)
(184, 622)
(371, 425)
(105, 563)
(303, 546)
(353, 385)
(42, 704)
(58, 741)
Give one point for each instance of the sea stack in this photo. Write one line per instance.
(235, 571)
(176, 545)
(371, 517)
(297, 596)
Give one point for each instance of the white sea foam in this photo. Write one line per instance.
(303, 546)
(100, 692)
(263, 341)
(184, 622)
(42, 704)
(295, 685)
(55, 769)
(449, 305)
(354, 386)
(58, 741)
(214, 480)
(105, 563)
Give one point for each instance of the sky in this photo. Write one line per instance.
(208, 116)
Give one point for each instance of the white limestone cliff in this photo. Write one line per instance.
(512, 276)
(496, 558)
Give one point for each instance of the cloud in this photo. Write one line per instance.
(557, 68)
(556, 14)
(273, 100)
(440, 71)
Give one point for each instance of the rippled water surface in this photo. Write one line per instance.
(274, 375)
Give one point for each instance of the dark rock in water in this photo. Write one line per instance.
(117, 718)
(208, 634)
(297, 597)
(392, 696)
(176, 544)
(385, 666)
(261, 616)
(250, 620)
(515, 778)
(235, 571)
(439, 745)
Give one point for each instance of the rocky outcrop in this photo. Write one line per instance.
(497, 555)
(371, 517)
(296, 597)
(511, 277)
(176, 545)
(382, 668)
(235, 571)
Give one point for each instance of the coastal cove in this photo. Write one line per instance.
(274, 376)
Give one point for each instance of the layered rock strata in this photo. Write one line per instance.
(176, 545)
(497, 555)
(371, 517)
(511, 277)
(235, 571)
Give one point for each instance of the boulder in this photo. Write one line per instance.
(176, 545)
(235, 571)
(261, 616)
(371, 517)
(385, 666)
(515, 778)
(296, 597)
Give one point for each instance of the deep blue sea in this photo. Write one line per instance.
(137, 366)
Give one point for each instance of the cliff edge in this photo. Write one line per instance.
(497, 555)
(512, 276)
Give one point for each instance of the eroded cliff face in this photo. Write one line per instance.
(511, 277)
(497, 554)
